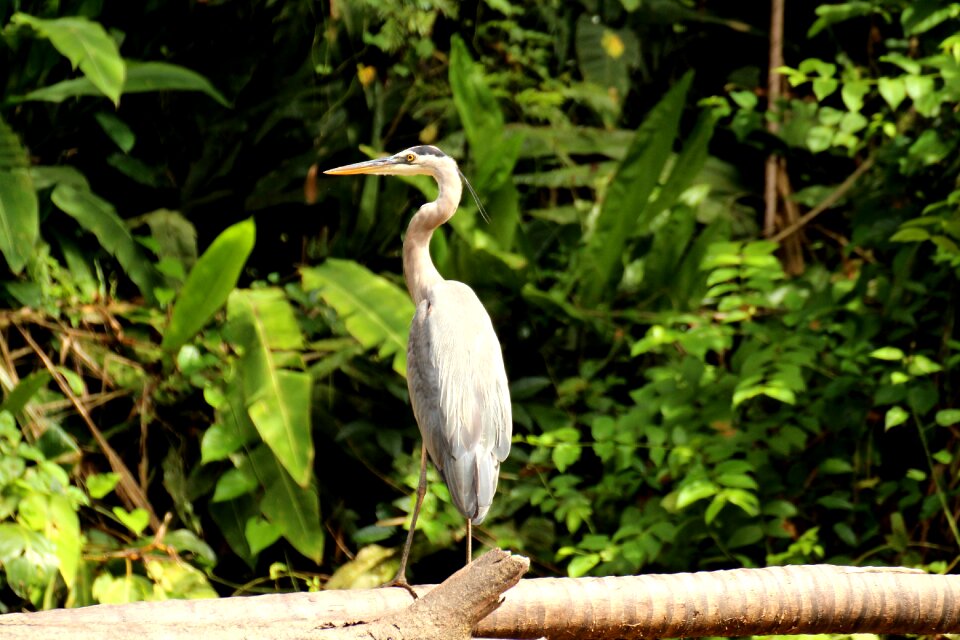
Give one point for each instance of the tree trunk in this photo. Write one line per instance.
(776, 600)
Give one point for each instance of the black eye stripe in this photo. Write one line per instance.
(427, 150)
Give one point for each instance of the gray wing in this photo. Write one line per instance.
(458, 389)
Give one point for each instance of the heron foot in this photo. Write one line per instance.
(400, 580)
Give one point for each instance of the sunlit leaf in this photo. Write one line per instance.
(179, 580)
(293, 508)
(87, 45)
(375, 311)
(895, 416)
(100, 484)
(261, 534)
(141, 77)
(262, 324)
(136, 520)
(948, 417)
(893, 90)
(694, 490)
(581, 565)
(887, 353)
(209, 283)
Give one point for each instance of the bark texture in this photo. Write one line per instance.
(776, 600)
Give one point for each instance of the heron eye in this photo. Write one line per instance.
(411, 157)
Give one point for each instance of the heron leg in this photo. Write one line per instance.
(400, 580)
(469, 541)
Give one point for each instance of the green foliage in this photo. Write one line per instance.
(276, 394)
(100, 218)
(376, 312)
(209, 283)
(624, 208)
(688, 394)
(87, 45)
(19, 217)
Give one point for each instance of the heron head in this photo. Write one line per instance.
(419, 160)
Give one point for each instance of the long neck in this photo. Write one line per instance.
(418, 269)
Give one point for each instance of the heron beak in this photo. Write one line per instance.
(380, 165)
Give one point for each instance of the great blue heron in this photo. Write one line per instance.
(455, 374)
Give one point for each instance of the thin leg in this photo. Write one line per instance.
(400, 580)
(469, 541)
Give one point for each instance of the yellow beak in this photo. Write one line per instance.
(380, 165)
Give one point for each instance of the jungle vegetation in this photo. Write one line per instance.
(728, 307)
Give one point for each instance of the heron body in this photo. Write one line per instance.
(458, 389)
(455, 373)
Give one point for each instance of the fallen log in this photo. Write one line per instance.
(775, 600)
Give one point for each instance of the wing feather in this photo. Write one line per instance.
(458, 389)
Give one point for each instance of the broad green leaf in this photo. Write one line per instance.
(87, 45)
(261, 534)
(606, 56)
(117, 130)
(209, 283)
(231, 519)
(852, 93)
(63, 528)
(824, 87)
(184, 540)
(176, 237)
(581, 565)
(47, 177)
(179, 580)
(921, 365)
(28, 557)
(688, 165)
(896, 415)
(829, 14)
(887, 353)
(744, 499)
(19, 209)
(744, 536)
(28, 387)
(371, 567)
(375, 311)
(142, 77)
(625, 205)
(99, 217)
(554, 140)
(948, 417)
(136, 520)
(893, 90)
(145, 77)
(714, 508)
(100, 484)
(263, 325)
(494, 151)
(233, 484)
(233, 428)
(293, 508)
(909, 65)
(564, 455)
(124, 589)
(693, 491)
(921, 16)
(836, 465)
(670, 241)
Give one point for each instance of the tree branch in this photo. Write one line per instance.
(776, 600)
(827, 202)
(774, 62)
